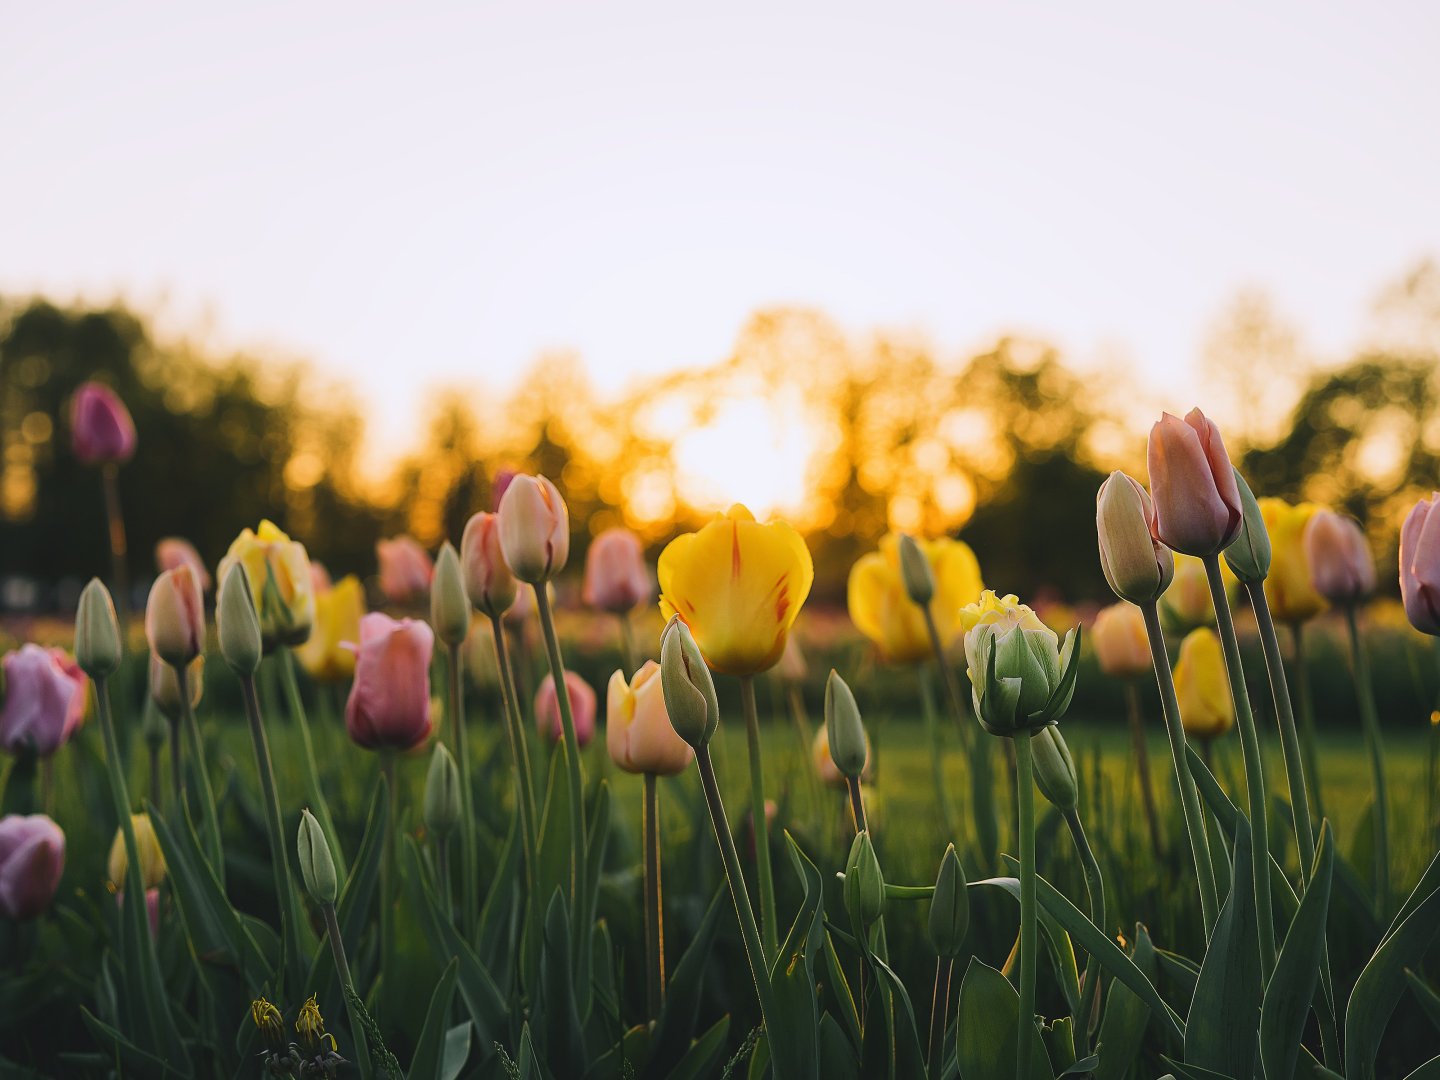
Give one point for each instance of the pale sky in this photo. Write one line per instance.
(425, 193)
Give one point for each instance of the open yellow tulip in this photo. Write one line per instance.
(338, 611)
(883, 611)
(1206, 709)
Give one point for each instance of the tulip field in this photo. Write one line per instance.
(512, 813)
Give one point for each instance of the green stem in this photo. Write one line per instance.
(1095, 889)
(469, 883)
(857, 804)
(937, 756)
(1254, 768)
(519, 752)
(654, 915)
(939, 1015)
(1142, 766)
(627, 643)
(313, 791)
(115, 522)
(342, 966)
(1189, 797)
(1025, 796)
(209, 820)
(1310, 744)
(387, 863)
(1365, 691)
(760, 821)
(177, 764)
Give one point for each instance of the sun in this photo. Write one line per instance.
(753, 451)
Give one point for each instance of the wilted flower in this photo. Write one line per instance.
(338, 611)
(881, 606)
(271, 1024)
(389, 703)
(175, 616)
(279, 574)
(1341, 567)
(582, 709)
(32, 858)
(616, 578)
(1137, 566)
(488, 581)
(1022, 677)
(152, 859)
(405, 569)
(175, 551)
(1197, 502)
(638, 733)
(1288, 589)
(1122, 644)
(1201, 686)
(738, 585)
(1420, 565)
(45, 693)
(534, 529)
(101, 430)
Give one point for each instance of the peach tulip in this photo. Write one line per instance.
(45, 696)
(405, 569)
(32, 858)
(1341, 567)
(488, 581)
(101, 430)
(582, 709)
(534, 529)
(1197, 502)
(881, 608)
(389, 704)
(175, 551)
(616, 578)
(175, 616)
(1121, 643)
(1420, 565)
(638, 733)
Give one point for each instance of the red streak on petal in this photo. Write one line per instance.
(734, 550)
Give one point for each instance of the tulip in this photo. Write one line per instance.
(279, 575)
(320, 580)
(389, 704)
(1186, 603)
(534, 529)
(582, 706)
(1022, 676)
(97, 632)
(638, 732)
(616, 579)
(338, 611)
(175, 616)
(1206, 708)
(1420, 565)
(864, 888)
(317, 865)
(1055, 769)
(1248, 558)
(175, 551)
(826, 770)
(45, 694)
(845, 736)
(1288, 589)
(793, 667)
(405, 569)
(101, 430)
(488, 580)
(1121, 643)
(1197, 502)
(152, 859)
(739, 586)
(1341, 567)
(32, 858)
(165, 686)
(1137, 566)
(882, 605)
(442, 810)
(237, 624)
(690, 700)
(449, 605)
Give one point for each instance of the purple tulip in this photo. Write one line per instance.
(101, 430)
(44, 700)
(32, 858)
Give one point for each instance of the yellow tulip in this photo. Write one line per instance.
(1288, 589)
(338, 611)
(287, 611)
(882, 610)
(738, 585)
(1186, 604)
(152, 860)
(1206, 709)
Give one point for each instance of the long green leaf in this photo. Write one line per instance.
(556, 1002)
(986, 1028)
(1057, 941)
(700, 1060)
(676, 1023)
(1123, 1028)
(794, 1032)
(429, 1056)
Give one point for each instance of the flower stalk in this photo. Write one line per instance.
(1365, 692)
(654, 914)
(760, 820)
(1025, 795)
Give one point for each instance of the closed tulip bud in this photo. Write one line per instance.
(154, 727)
(32, 858)
(1022, 676)
(583, 706)
(1341, 567)
(844, 730)
(488, 580)
(442, 793)
(449, 606)
(317, 865)
(1137, 566)
(915, 571)
(405, 569)
(1420, 565)
(638, 732)
(97, 632)
(152, 859)
(165, 686)
(44, 700)
(826, 770)
(688, 686)
(389, 703)
(1055, 769)
(1122, 644)
(237, 623)
(1202, 687)
(949, 907)
(1249, 556)
(175, 616)
(616, 578)
(1197, 502)
(101, 430)
(534, 529)
(864, 882)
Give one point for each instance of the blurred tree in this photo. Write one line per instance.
(1254, 356)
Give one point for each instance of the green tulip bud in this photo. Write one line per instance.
(317, 867)
(442, 793)
(449, 603)
(949, 907)
(238, 622)
(844, 729)
(1137, 566)
(915, 571)
(687, 685)
(1249, 555)
(1055, 768)
(97, 632)
(864, 882)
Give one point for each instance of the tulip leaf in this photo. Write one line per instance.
(456, 1052)
(553, 871)
(493, 944)
(1186, 1071)
(1292, 984)
(556, 1004)
(429, 1056)
(794, 1031)
(1123, 1028)
(1429, 1071)
(676, 1022)
(986, 1028)
(1428, 999)
(1057, 941)
(704, 1053)
(141, 1061)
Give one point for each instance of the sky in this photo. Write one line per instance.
(424, 194)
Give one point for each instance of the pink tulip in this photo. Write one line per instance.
(1341, 567)
(389, 705)
(499, 484)
(405, 569)
(319, 578)
(101, 430)
(176, 551)
(1420, 565)
(534, 529)
(488, 581)
(582, 709)
(175, 616)
(1197, 502)
(32, 858)
(616, 578)
(44, 700)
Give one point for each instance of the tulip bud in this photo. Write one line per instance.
(449, 606)
(152, 859)
(165, 686)
(616, 578)
(916, 572)
(1197, 502)
(1137, 565)
(1420, 565)
(1341, 567)
(1055, 769)
(442, 793)
(1122, 644)
(534, 529)
(949, 907)
(864, 882)
(488, 581)
(101, 429)
(688, 685)
(1249, 556)
(317, 865)
(97, 632)
(175, 616)
(238, 622)
(843, 727)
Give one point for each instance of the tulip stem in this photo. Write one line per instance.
(937, 757)
(760, 820)
(1189, 797)
(1095, 888)
(654, 915)
(857, 804)
(469, 895)
(209, 820)
(1307, 720)
(342, 967)
(1254, 767)
(387, 861)
(939, 1015)
(519, 751)
(1025, 797)
(177, 764)
(1365, 691)
(115, 520)
(627, 643)
(1142, 766)
(313, 792)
